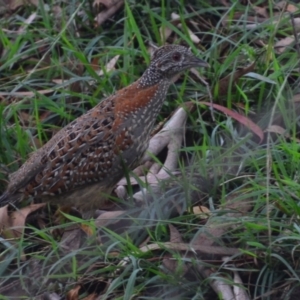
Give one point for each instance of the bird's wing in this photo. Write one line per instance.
(85, 150)
(67, 155)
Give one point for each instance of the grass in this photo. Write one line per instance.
(111, 263)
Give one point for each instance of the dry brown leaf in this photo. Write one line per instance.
(291, 8)
(239, 292)
(18, 217)
(50, 296)
(296, 98)
(107, 13)
(176, 19)
(286, 6)
(108, 217)
(214, 229)
(73, 294)
(57, 11)
(240, 118)
(175, 236)
(224, 2)
(193, 36)
(295, 23)
(27, 22)
(165, 31)
(280, 130)
(14, 4)
(106, 3)
(174, 266)
(73, 238)
(191, 247)
(168, 262)
(12, 224)
(110, 65)
(225, 82)
(96, 3)
(121, 192)
(282, 44)
(276, 129)
(262, 11)
(115, 221)
(202, 212)
(24, 117)
(87, 229)
(4, 218)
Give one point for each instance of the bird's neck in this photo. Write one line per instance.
(151, 77)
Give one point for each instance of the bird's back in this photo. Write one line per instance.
(91, 150)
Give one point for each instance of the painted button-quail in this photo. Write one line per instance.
(87, 157)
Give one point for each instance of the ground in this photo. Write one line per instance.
(213, 212)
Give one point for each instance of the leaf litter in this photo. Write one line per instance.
(164, 182)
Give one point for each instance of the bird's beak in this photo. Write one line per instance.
(200, 63)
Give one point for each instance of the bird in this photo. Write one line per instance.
(85, 159)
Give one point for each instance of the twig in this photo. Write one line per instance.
(214, 250)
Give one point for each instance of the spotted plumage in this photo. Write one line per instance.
(88, 156)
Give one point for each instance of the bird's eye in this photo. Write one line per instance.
(176, 56)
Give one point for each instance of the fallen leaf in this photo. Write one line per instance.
(73, 294)
(107, 13)
(12, 225)
(279, 130)
(106, 3)
(286, 6)
(232, 208)
(168, 261)
(282, 44)
(291, 8)
(296, 98)
(240, 118)
(193, 36)
(14, 4)
(108, 217)
(175, 236)
(110, 65)
(224, 83)
(202, 212)
(165, 31)
(4, 218)
(262, 11)
(27, 22)
(224, 2)
(191, 247)
(176, 18)
(238, 288)
(276, 129)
